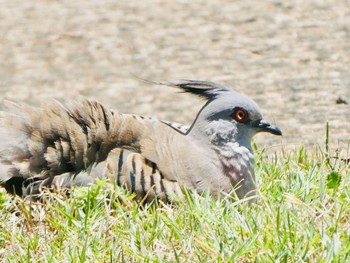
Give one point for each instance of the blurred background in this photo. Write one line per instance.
(291, 57)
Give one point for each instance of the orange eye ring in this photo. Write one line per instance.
(240, 115)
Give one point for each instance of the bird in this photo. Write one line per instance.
(59, 145)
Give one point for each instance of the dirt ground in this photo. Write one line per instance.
(291, 57)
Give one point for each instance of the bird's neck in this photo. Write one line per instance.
(222, 135)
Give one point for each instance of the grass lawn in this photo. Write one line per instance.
(301, 215)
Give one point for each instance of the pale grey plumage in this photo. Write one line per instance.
(214, 154)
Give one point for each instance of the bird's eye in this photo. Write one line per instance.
(240, 115)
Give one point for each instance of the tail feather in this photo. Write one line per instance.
(58, 139)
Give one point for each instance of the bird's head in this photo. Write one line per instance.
(227, 116)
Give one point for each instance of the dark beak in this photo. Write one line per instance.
(264, 126)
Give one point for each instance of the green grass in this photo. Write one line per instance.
(302, 215)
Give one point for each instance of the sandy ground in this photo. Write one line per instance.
(291, 57)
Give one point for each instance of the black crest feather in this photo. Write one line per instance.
(204, 89)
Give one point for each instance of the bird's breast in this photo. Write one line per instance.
(235, 163)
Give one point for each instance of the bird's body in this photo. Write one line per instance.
(54, 146)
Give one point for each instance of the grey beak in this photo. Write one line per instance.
(264, 126)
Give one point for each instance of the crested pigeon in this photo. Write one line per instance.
(58, 146)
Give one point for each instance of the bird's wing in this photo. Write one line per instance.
(123, 168)
(50, 145)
